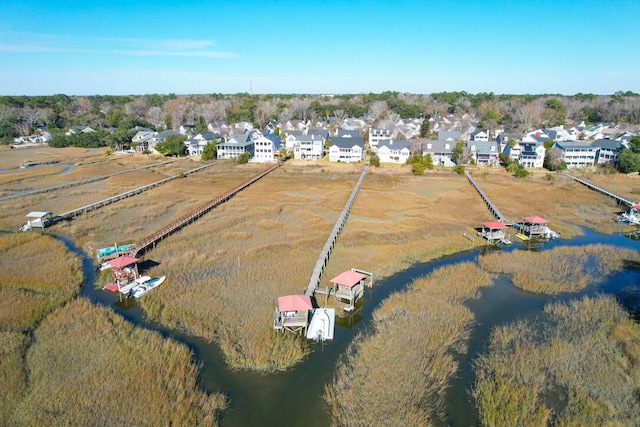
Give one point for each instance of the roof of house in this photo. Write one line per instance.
(449, 134)
(348, 278)
(165, 133)
(437, 146)
(395, 145)
(347, 142)
(348, 133)
(572, 144)
(609, 144)
(294, 303)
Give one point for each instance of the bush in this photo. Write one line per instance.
(243, 158)
(459, 169)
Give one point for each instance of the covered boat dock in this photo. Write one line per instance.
(494, 232)
(292, 313)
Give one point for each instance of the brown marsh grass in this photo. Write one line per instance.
(400, 371)
(565, 203)
(579, 364)
(562, 269)
(87, 366)
(225, 272)
(13, 158)
(37, 274)
(626, 185)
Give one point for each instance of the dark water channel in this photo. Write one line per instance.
(293, 398)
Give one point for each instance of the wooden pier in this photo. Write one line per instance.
(77, 183)
(323, 259)
(494, 210)
(621, 200)
(151, 240)
(93, 206)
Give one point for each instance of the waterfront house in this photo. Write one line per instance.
(308, 147)
(160, 137)
(608, 151)
(439, 150)
(484, 153)
(235, 145)
(141, 139)
(577, 154)
(376, 136)
(265, 146)
(292, 313)
(196, 144)
(394, 151)
(531, 155)
(346, 149)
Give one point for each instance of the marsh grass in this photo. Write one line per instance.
(88, 366)
(576, 365)
(562, 269)
(400, 371)
(567, 204)
(37, 274)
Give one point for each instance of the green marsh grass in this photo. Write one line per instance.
(577, 365)
(87, 366)
(400, 370)
(562, 269)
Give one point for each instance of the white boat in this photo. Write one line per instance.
(130, 286)
(323, 321)
(145, 287)
(631, 217)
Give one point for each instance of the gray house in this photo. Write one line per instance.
(608, 151)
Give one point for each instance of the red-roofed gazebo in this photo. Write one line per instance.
(292, 313)
(493, 231)
(534, 226)
(348, 286)
(125, 269)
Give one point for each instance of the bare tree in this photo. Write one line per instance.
(265, 111)
(155, 115)
(301, 108)
(376, 109)
(527, 115)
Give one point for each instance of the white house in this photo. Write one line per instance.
(479, 135)
(308, 147)
(346, 149)
(531, 154)
(235, 145)
(265, 146)
(141, 139)
(440, 151)
(376, 136)
(608, 151)
(577, 154)
(195, 145)
(79, 129)
(394, 151)
(484, 153)
(159, 137)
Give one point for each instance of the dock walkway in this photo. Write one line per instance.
(77, 183)
(151, 240)
(493, 208)
(620, 199)
(314, 281)
(96, 205)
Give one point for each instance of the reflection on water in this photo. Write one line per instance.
(295, 397)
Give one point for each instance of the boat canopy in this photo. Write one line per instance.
(122, 261)
(294, 303)
(348, 278)
(492, 225)
(37, 214)
(535, 220)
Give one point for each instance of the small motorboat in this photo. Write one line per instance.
(322, 324)
(145, 287)
(131, 286)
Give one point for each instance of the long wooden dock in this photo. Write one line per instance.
(96, 205)
(314, 281)
(82, 182)
(150, 241)
(493, 208)
(620, 199)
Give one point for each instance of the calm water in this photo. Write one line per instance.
(294, 397)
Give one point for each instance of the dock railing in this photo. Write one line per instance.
(150, 240)
(620, 199)
(314, 281)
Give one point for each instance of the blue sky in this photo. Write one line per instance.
(329, 47)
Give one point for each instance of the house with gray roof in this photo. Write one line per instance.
(394, 151)
(346, 149)
(235, 145)
(484, 153)
(577, 154)
(348, 133)
(608, 150)
(376, 136)
(308, 147)
(160, 137)
(451, 135)
(439, 150)
(141, 139)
